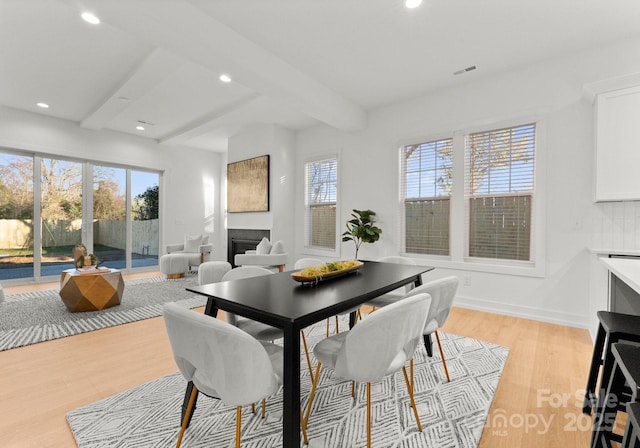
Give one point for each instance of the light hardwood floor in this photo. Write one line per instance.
(537, 404)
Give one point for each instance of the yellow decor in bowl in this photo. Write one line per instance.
(326, 271)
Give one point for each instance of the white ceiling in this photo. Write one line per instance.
(294, 63)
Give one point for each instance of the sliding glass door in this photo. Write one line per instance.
(60, 213)
(16, 216)
(109, 225)
(49, 205)
(145, 223)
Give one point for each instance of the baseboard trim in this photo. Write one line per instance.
(525, 312)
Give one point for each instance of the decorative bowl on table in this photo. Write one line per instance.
(315, 274)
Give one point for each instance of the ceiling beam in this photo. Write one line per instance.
(153, 69)
(206, 123)
(187, 31)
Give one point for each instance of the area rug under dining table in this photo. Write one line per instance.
(38, 316)
(453, 413)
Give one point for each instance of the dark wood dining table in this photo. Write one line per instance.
(280, 301)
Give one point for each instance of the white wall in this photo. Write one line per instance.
(278, 143)
(190, 178)
(550, 93)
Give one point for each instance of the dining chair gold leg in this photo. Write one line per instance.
(306, 352)
(337, 326)
(314, 383)
(238, 425)
(353, 388)
(368, 414)
(264, 407)
(303, 425)
(192, 399)
(444, 363)
(411, 371)
(253, 408)
(413, 403)
(358, 315)
(327, 327)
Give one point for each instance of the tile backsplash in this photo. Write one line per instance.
(616, 226)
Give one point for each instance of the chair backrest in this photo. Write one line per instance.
(221, 360)
(400, 260)
(307, 262)
(442, 292)
(245, 272)
(373, 343)
(397, 259)
(212, 271)
(240, 273)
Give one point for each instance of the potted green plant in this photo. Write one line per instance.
(361, 229)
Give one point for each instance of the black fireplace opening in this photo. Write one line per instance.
(241, 240)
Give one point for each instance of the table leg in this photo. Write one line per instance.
(428, 344)
(291, 390)
(211, 310)
(353, 317)
(185, 404)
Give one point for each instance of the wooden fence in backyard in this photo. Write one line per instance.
(18, 234)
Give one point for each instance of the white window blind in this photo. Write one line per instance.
(500, 192)
(321, 195)
(427, 173)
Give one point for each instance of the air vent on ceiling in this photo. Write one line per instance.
(465, 70)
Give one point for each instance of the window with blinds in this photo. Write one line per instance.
(321, 195)
(427, 173)
(499, 191)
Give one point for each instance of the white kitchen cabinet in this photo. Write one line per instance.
(617, 170)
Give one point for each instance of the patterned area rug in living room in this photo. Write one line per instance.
(32, 317)
(452, 414)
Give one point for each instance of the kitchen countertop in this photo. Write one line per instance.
(613, 252)
(626, 269)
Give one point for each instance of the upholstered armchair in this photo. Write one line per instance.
(195, 248)
(265, 254)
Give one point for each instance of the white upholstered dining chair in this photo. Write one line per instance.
(310, 262)
(258, 330)
(380, 345)
(222, 361)
(442, 292)
(398, 294)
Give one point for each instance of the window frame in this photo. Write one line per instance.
(306, 247)
(404, 199)
(459, 220)
(492, 189)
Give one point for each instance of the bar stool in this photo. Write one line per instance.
(632, 432)
(613, 327)
(625, 375)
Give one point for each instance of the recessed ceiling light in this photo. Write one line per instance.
(225, 78)
(412, 3)
(43, 105)
(90, 18)
(140, 128)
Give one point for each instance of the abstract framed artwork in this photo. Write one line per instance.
(248, 185)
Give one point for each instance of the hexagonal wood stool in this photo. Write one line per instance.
(86, 291)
